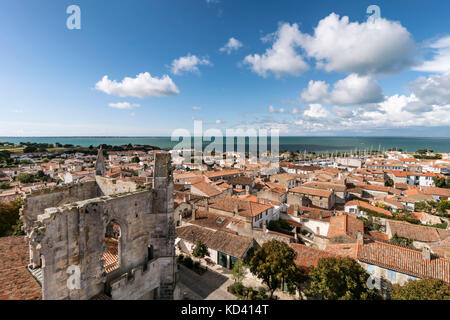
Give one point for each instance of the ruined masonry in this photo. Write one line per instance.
(104, 239)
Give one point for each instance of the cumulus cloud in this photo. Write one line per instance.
(316, 110)
(352, 90)
(124, 105)
(196, 108)
(429, 91)
(379, 47)
(233, 44)
(282, 58)
(219, 121)
(188, 63)
(343, 112)
(144, 85)
(441, 59)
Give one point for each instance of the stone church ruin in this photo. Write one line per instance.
(105, 238)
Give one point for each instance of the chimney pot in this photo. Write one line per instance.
(426, 254)
(360, 238)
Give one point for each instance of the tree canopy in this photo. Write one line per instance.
(273, 263)
(424, 289)
(200, 250)
(238, 271)
(339, 279)
(10, 224)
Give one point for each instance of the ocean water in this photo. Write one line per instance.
(302, 144)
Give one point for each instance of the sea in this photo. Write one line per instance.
(286, 143)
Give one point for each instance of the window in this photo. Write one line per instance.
(111, 256)
(392, 275)
(370, 268)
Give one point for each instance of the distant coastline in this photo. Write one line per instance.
(318, 144)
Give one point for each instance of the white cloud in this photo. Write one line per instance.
(441, 59)
(188, 63)
(282, 110)
(196, 108)
(316, 110)
(124, 105)
(316, 91)
(352, 90)
(219, 121)
(379, 47)
(144, 85)
(232, 45)
(430, 91)
(282, 58)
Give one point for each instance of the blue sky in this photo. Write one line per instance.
(297, 66)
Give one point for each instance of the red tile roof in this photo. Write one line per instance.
(16, 282)
(308, 257)
(312, 191)
(345, 224)
(404, 260)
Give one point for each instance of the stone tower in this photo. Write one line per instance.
(100, 169)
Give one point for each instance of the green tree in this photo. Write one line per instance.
(200, 250)
(30, 149)
(4, 185)
(440, 182)
(24, 177)
(424, 289)
(9, 218)
(273, 263)
(238, 271)
(401, 241)
(389, 183)
(296, 281)
(339, 279)
(135, 159)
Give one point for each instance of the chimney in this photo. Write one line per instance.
(360, 238)
(207, 205)
(426, 254)
(184, 198)
(320, 215)
(194, 212)
(264, 227)
(236, 209)
(295, 210)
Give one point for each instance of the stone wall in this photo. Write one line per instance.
(66, 226)
(110, 186)
(37, 201)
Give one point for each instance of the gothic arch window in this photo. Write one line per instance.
(111, 240)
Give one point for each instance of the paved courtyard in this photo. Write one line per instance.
(212, 285)
(208, 286)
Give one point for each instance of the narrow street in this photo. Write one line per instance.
(208, 286)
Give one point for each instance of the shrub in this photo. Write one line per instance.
(188, 262)
(180, 258)
(197, 265)
(236, 289)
